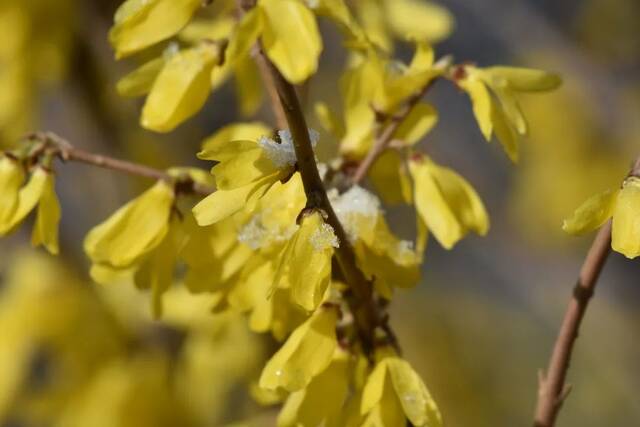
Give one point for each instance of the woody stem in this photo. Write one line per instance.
(66, 152)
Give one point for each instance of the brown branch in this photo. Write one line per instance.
(360, 298)
(361, 301)
(66, 152)
(551, 388)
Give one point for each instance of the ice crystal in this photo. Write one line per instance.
(324, 237)
(256, 235)
(283, 154)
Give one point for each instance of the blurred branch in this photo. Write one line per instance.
(58, 146)
(270, 87)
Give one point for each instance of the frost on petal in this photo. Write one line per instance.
(305, 262)
(256, 234)
(324, 237)
(283, 154)
(357, 209)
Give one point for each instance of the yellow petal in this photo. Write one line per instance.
(374, 388)
(481, 102)
(157, 271)
(181, 88)
(140, 81)
(422, 118)
(505, 132)
(248, 86)
(11, 179)
(387, 413)
(245, 35)
(221, 27)
(215, 144)
(358, 86)
(224, 203)
(308, 258)
(329, 120)
(45, 229)
(29, 196)
(390, 178)
(594, 212)
(423, 57)
(306, 354)
(446, 202)
(291, 38)
(414, 397)
(413, 19)
(512, 109)
(398, 88)
(321, 400)
(625, 234)
(133, 230)
(523, 79)
(338, 11)
(142, 23)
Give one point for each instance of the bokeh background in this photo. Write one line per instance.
(479, 326)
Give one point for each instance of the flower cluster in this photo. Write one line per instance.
(307, 257)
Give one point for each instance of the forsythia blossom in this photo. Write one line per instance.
(623, 206)
(493, 94)
(17, 201)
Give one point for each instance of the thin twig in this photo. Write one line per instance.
(66, 152)
(552, 389)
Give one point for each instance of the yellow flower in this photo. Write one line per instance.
(446, 202)
(181, 88)
(247, 169)
(143, 23)
(493, 95)
(305, 262)
(305, 355)
(394, 390)
(386, 85)
(40, 191)
(140, 81)
(133, 230)
(270, 310)
(322, 400)
(385, 259)
(623, 205)
(390, 177)
(156, 271)
(213, 255)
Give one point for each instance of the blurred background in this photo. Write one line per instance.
(479, 326)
